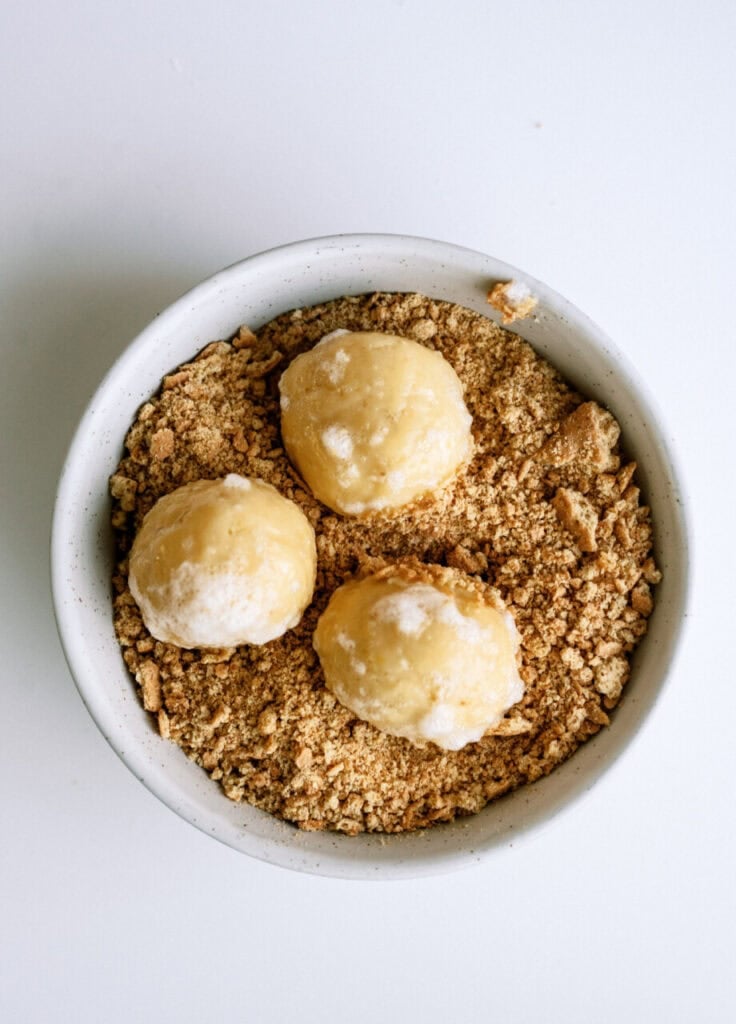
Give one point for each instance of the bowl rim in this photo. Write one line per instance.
(341, 866)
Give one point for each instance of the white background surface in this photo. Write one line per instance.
(145, 145)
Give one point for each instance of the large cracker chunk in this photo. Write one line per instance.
(588, 436)
(578, 516)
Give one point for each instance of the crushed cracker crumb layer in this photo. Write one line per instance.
(547, 512)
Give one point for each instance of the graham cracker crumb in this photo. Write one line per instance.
(650, 572)
(578, 516)
(259, 719)
(512, 725)
(268, 722)
(513, 300)
(175, 380)
(162, 443)
(149, 677)
(304, 758)
(587, 436)
(610, 678)
(123, 490)
(641, 599)
(221, 347)
(245, 338)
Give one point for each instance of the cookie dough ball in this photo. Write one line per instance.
(219, 563)
(373, 421)
(428, 659)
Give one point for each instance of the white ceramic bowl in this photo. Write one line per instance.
(253, 292)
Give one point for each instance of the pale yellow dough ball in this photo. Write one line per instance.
(372, 421)
(218, 563)
(429, 660)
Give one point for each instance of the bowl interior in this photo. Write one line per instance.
(253, 292)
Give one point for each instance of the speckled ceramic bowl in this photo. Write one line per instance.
(253, 292)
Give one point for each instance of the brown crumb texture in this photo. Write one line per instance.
(547, 513)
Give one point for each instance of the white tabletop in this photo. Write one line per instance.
(145, 145)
